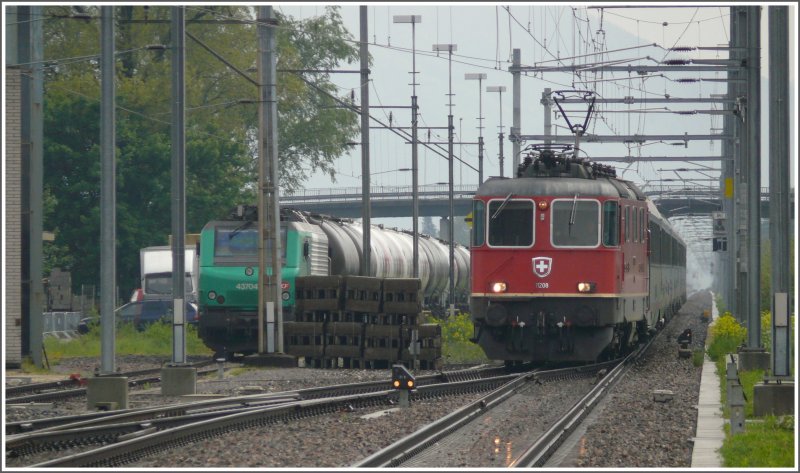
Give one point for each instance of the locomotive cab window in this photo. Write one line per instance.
(478, 220)
(239, 245)
(510, 222)
(575, 222)
(610, 223)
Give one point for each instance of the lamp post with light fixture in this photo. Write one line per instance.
(450, 48)
(500, 89)
(413, 19)
(479, 77)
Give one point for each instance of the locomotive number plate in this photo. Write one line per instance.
(542, 285)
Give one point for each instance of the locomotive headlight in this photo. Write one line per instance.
(285, 295)
(212, 295)
(586, 286)
(499, 287)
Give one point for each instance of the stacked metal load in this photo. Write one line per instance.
(361, 322)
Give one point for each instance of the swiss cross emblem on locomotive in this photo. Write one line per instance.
(542, 266)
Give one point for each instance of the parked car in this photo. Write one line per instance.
(142, 313)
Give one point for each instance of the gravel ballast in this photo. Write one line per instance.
(629, 429)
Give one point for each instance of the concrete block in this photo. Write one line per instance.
(178, 380)
(773, 398)
(754, 360)
(662, 395)
(278, 360)
(107, 392)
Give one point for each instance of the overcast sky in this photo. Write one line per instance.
(485, 35)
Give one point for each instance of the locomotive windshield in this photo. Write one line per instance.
(511, 222)
(240, 246)
(576, 222)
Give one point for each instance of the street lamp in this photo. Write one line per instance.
(479, 77)
(413, 19)
(500, 89)
(450, 48)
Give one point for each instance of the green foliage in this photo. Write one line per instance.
(749, 379)
(761, 445)
(456, 344)
(766, 330)
(726, 335)
(786, 422)
(221, 124)
(30, 368)
(155, 339)
(698, 358)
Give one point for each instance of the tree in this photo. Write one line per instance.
(221, 124)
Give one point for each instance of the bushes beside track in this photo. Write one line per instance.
(767, 441)
(456, 334)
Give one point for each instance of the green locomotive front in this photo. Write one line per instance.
(228, 278)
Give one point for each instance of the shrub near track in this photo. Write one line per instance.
(762, 444)
(456, 334)
(726, 336)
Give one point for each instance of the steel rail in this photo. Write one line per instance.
(75, 392)
(130, 447)
(538, 453)
(409, 446)
(15, 392)
(141, 415)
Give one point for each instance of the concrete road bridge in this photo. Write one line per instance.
(395, 201)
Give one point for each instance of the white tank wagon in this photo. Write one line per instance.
(391, 256)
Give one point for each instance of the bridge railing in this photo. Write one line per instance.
(345, 194)
(441, 191)
(656, 192)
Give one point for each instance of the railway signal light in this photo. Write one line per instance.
(402, 378)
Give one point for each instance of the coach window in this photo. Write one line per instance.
(575, 222)
(478, 222)
(635, 225)
(510, 222)
(627, 223)
(610, 223)
(642, 225)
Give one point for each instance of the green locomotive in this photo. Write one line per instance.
(311, 245)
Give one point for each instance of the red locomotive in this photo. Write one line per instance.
(569, 262)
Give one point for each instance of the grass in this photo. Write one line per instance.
(762, 444)
(156, 340)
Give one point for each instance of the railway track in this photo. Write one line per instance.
(533, 455)
(74, 386)
(130, 434)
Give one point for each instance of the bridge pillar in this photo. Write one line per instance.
(444, 228)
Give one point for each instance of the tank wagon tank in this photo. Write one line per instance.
(311, 245)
